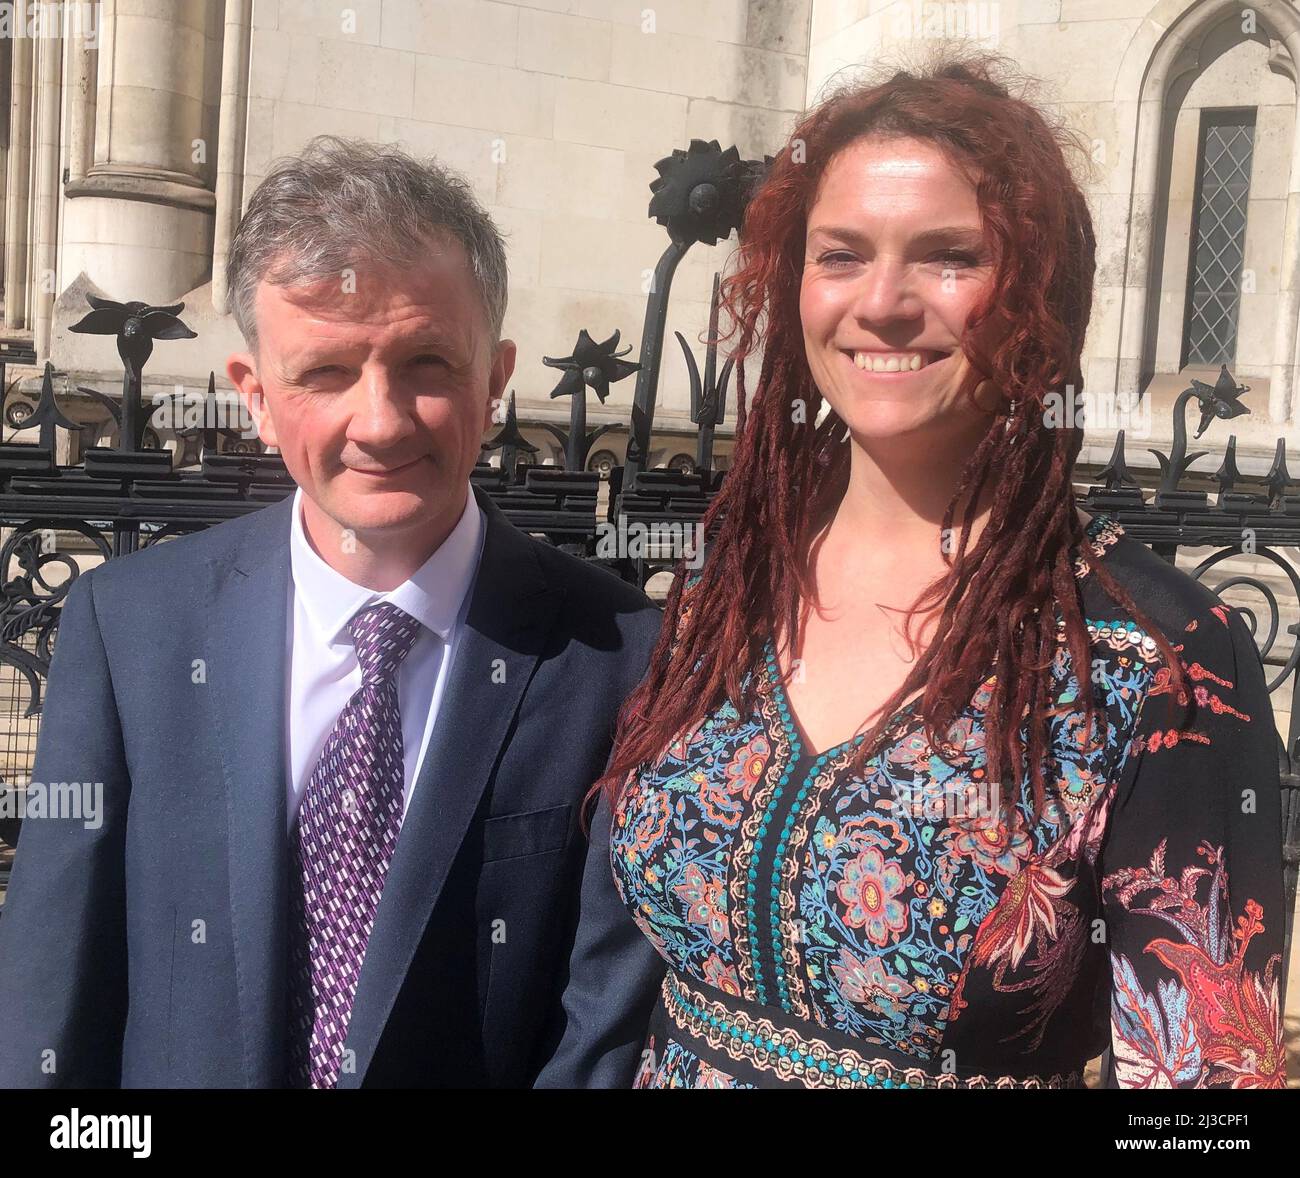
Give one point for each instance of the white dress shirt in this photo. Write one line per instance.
(323, 667)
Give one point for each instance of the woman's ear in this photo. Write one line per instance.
(988, 398)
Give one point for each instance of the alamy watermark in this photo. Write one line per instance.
(657, 540)
(1099, 411)
(34, 19)
(123, 1131)
(934, 802)
(975, 20)
(81, 801)
(188, 409)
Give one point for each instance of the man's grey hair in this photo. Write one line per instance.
(346, 203)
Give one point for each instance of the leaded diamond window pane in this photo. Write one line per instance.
(1218, 237)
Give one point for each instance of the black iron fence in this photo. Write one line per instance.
(116, 499)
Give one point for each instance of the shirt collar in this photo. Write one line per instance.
(433, 595)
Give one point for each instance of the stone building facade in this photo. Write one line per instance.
(137, 130)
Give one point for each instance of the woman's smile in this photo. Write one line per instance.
(899, 366)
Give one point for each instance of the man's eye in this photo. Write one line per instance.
(428, 359)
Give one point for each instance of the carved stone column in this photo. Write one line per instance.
(18, 182)
(139, 222)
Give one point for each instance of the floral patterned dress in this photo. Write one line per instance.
(888, 928)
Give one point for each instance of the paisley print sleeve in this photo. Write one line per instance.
(1191, 877)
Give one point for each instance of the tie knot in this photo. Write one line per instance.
(383, 636)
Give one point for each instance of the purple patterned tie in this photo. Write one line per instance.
(347, 828)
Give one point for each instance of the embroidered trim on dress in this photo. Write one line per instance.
(796, 1058)
(1102, 531)
(743, 885)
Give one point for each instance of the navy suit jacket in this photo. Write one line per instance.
(151, 951)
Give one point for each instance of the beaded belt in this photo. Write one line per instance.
(769, 1048)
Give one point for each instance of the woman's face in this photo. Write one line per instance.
(895, 261)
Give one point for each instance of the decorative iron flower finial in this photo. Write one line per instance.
(597, 366)
(590, 365)
(1222, 399)
(136, 326)
(699, 194)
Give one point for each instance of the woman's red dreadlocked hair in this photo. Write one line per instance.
(1001, 599)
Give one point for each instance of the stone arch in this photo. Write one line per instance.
(1152, 60)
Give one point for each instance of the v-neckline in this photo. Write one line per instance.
(1101, 531)
(793, 729)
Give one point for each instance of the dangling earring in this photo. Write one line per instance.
(1011, 422)
(827, 448)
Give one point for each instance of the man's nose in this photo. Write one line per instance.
(382, 415)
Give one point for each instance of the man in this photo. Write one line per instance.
(343, 740)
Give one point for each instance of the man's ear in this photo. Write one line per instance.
(241, 367)
(503, 367)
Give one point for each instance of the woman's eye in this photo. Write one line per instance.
(947, 259)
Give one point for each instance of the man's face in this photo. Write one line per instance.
(377, 387)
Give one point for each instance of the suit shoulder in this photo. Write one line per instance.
(158, 564)
(603, 617)
(590, 584)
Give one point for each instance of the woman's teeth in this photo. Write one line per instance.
(889, 362)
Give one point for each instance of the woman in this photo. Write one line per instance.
(1045, 823)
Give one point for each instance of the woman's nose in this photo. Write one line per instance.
(885, 292)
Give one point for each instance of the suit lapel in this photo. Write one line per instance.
(511, 611)
(246, 667)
